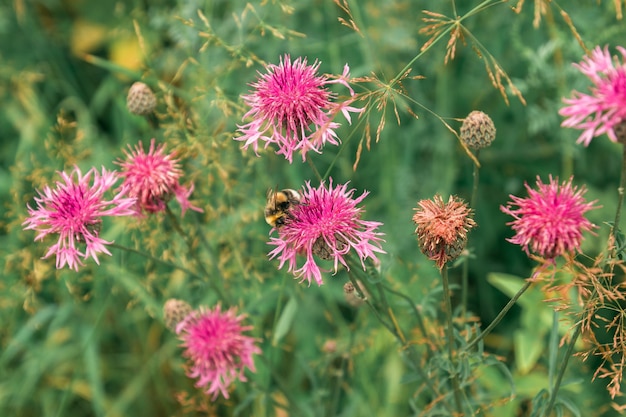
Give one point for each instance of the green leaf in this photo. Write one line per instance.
(528, 349)
(511, 284)
(285, 321)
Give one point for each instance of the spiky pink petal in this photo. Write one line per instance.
(291, 107)
(217, 349)
(153, 178)
(327, 219)
(550, 221)
(73, 210)
(605, 108)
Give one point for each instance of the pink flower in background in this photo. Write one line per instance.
(605, 108)
(550, 221)
(217, 349)
(327, 223)
(153, 178)
(291, 107)
(73, 210)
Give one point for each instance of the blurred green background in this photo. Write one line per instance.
(93, 343)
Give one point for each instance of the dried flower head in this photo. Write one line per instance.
(140, 100)
(174, 312)
(478, 130)
(217, 349)
(442, 228)
(291, 107)
(605, 108)
(550, 221)
(328, 224)
(153, 178)
(73, 210)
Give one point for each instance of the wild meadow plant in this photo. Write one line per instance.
(176, 247)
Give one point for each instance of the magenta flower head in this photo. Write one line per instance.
(153, 178)
(550, 221)
(217, 349)
(73, 211)
(327, 223)
(291, 107)
(604, 109)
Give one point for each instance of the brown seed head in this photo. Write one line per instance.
(442, 228)
(478, 130)
(140, 100)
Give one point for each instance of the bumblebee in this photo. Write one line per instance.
(279, 205)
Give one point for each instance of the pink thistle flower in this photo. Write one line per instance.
(442, 228)
(153, 178)
(217, 348)
(550, 221)
(604, 109)
(73, 210)
(287, 100)
(327, 223)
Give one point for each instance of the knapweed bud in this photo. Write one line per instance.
(140, 100)
(478, 130)
(175, 311)
(330, 346)
(442, 228)
(352, 295)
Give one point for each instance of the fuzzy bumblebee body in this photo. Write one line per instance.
(279, 205)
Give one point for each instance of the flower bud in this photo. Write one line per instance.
(478, 130)
(352, 295)
(140, 100)
(175, 311)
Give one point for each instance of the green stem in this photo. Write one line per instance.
(154, 259)
(412, 354)
(559, 377)
(578, 331)
(418, 315)
(212, 280)
(283, 387)
(500, 316)
(315, 171)
(450, 333)
(465, 274)
(620, 194)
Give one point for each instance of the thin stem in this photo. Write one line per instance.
(450, 333)
(500, 316)
(578, 331)
(152, 258)
(212, 280)
(282, 386)
(465, 273)
(418, 314)
(412, 354)
(559, 377)
(620, 194)
(315, 171)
